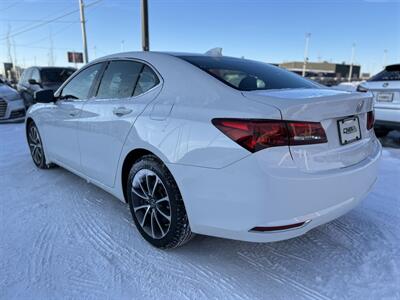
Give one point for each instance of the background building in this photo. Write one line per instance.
(324, 72)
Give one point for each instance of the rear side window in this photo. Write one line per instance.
(391, 73)
(119, 79)
(248, 75)
(147, 80)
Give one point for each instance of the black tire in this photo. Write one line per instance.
(178, 230)
(381, 132)
(36, 147)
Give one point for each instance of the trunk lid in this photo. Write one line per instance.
(327, 107)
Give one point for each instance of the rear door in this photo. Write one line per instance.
(125, 89)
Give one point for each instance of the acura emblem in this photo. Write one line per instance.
(360, 106)
(385, 84)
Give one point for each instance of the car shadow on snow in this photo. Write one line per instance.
(392, 139)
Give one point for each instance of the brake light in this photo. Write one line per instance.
(255, 135)
(370, 120)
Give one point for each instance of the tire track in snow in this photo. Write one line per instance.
(161, 262)
(286, 255)
(103, 243)
(86, 286)
(99, 240)
(218, 281)
(305, 291)
(346, 230)
(43, 251)
(120, 256)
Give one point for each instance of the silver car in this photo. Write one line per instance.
(12, 106)
(385, 87)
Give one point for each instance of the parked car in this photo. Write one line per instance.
(219, 146)
(385, 87)
(347, 86)
(37, 78)
(11, 104)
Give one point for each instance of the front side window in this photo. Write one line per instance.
(248, 75)
(21, 79)
(26, 76)
(79, 86)
(35, 75)
(119, 79)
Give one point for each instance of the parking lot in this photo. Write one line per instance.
(64, 238)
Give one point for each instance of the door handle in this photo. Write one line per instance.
(121, 111)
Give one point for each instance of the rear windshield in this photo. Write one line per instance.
(248, 75)
(55, 75)
(391, 73)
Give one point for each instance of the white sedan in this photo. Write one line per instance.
(213, 145)
(385, 87)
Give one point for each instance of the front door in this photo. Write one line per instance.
(64, 116)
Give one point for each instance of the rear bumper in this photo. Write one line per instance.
(252, 193)
(14, 112)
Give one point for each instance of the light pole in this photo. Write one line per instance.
(145, 26)
(83, 26)
(353, 49)
(308, 35)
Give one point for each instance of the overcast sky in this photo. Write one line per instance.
(271, 31)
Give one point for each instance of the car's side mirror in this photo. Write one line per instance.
(34, 82)
(44, 96)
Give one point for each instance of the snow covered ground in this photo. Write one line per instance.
(61, 238)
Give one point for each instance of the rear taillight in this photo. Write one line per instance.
(305, 133)
(255, 135)
(370, 120)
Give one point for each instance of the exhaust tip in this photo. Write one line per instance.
(280, 228)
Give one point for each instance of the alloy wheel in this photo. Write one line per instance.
(35, 145)
(151, 203)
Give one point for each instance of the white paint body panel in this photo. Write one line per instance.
(226, 189)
